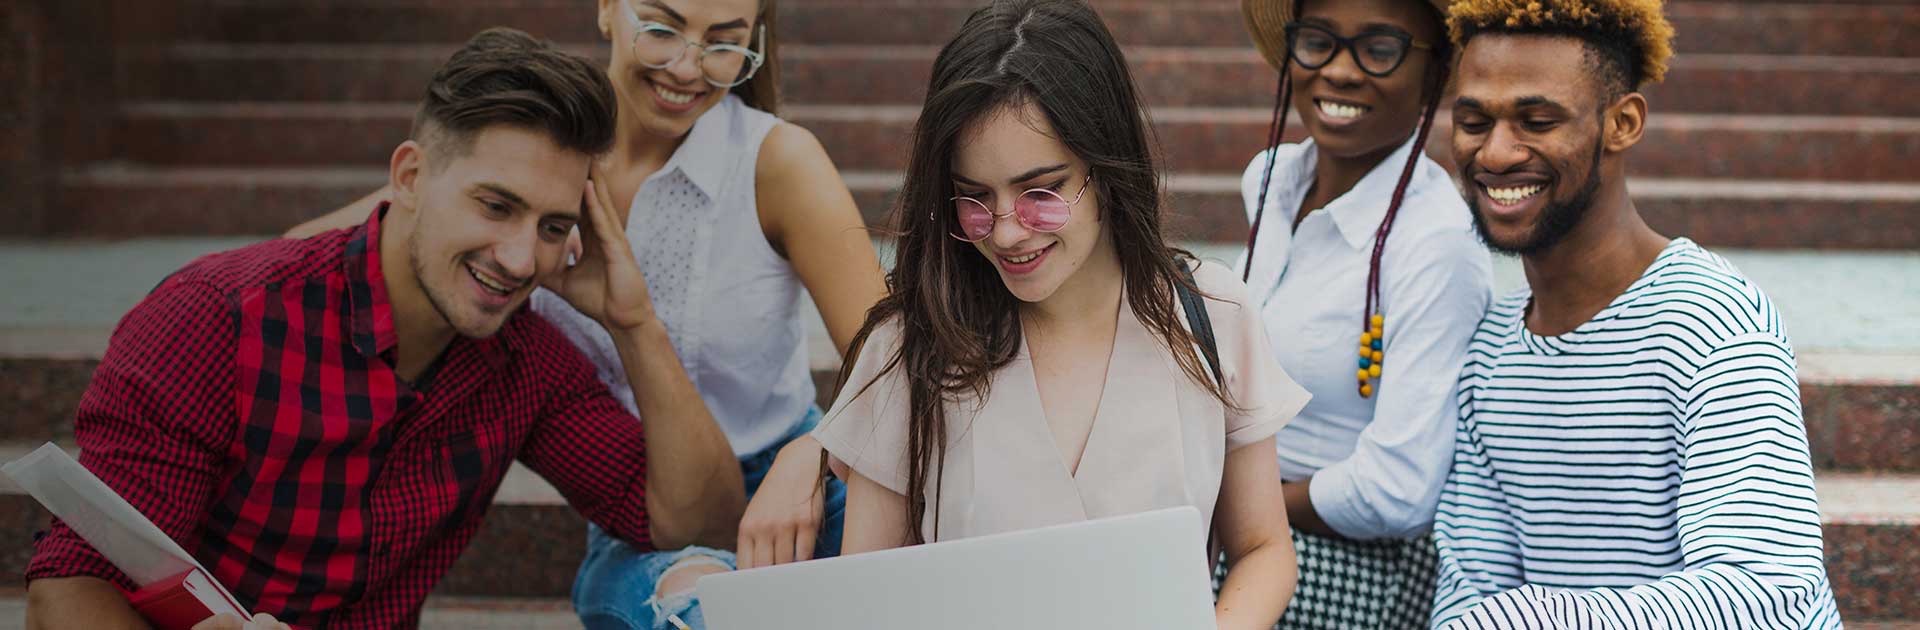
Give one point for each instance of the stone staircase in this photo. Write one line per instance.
(1785, 135)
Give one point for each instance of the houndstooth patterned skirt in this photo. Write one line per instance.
(1357, 585)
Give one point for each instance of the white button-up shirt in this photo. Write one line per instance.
(1377, 463)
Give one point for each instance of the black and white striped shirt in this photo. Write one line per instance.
(1648, 469)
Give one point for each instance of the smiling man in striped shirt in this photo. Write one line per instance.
(1630, 452)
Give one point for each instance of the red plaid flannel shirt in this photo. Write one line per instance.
(248, 407)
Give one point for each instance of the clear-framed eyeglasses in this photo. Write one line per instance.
(658, 46)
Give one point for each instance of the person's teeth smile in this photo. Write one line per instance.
(1339, 111)
(1510, 195)
(488, 283)
(1022, 264)
(672, 96)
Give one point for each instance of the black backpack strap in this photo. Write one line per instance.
(1198, 322)
(1202, 328)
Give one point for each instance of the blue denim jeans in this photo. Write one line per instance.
(614, 589)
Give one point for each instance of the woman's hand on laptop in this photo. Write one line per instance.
(783, 519)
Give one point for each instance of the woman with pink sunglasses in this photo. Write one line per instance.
(1044, 357)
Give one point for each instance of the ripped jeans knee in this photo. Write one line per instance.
(620, 588)
(673, 598)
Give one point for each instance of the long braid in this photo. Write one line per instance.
(1275, 129)
(1367, 324)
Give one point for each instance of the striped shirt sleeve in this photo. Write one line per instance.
(1472, 499)
(1747, 519)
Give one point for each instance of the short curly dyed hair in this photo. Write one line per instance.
(1630, 40)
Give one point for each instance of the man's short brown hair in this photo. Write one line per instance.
(505, 76)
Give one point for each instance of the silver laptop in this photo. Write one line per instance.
(1140, 571)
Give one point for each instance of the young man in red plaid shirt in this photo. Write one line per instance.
(322, 422)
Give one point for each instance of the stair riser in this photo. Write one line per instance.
(1701, 28)
(1167, 77)
(117, 210)
(534, 551)
(1850, 427)
(1220, 217)
(1222, 144)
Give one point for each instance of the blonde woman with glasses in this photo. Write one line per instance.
(734, 216)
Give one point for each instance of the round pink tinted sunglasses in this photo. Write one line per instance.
(1039, 209)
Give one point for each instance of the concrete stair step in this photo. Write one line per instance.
(1237, 77)
(1854, 318)
(1677, 145)
(523, 613)
(1717, 213)
(1852, 425)
(896, 75)
(123, 200)
(1703, 27)
(443, 612)
(532, 542)
(1832, 148)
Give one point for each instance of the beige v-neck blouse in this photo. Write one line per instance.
(1158, 439)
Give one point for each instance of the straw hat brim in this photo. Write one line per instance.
(1267, 21)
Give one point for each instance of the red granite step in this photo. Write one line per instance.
(127, 201)
(896, 75)
(1237, 77)
(1854, 423)
(443, 612)
(531, 542)
(1702, 27)
(875, 137)
(1222, 140)
(1716, 213)
(108, 201)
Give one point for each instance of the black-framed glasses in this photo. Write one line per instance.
(1377, 53)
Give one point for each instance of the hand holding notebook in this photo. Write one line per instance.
(175, 593)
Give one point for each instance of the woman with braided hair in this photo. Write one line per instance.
(1363, 264)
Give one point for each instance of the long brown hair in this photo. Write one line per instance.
(762, 92)
(958, 323)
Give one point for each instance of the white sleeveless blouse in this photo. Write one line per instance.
(731, 305)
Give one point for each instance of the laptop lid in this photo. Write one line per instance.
(1140, 571)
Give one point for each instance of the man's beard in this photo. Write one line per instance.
(1557, 219)
(420, 277)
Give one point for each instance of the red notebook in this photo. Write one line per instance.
(180, 602)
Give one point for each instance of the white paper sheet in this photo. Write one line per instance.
(115, 529)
